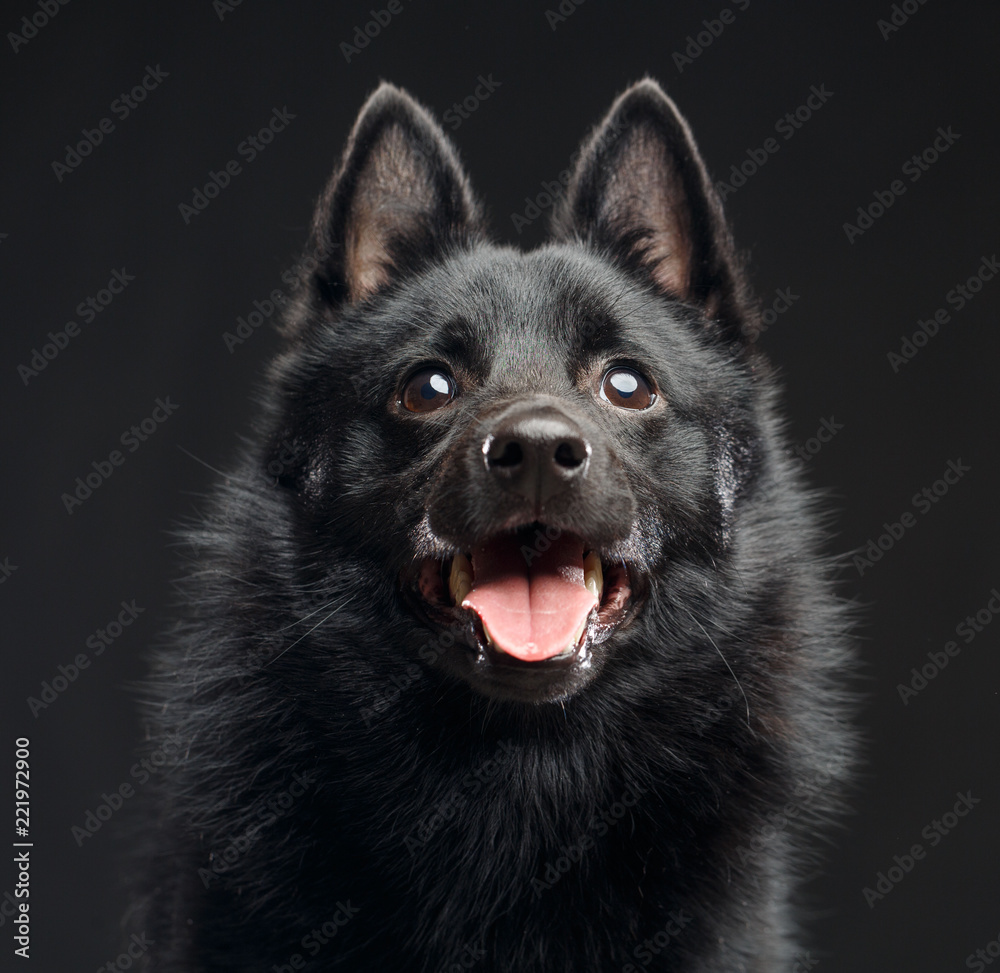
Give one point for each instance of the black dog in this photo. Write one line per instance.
(509, 646)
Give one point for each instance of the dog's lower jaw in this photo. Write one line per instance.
(437, 592)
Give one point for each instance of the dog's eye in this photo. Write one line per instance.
(427, 390)
(627, 389)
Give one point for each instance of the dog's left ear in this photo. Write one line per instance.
(641, 194)
(399, 199)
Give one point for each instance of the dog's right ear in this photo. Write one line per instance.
(399, 199)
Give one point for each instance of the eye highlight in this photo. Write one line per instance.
(427, 390)
(625, 388)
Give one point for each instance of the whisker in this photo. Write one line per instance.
(728, 666)
(313, 629)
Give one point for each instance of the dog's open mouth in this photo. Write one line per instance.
(536, 596)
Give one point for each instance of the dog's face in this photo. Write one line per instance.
(523, 454)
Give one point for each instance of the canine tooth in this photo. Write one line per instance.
(460, 580)
(578, 635)
(593, 576)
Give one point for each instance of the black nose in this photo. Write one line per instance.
(538, 454)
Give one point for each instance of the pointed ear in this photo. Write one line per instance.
(399, 199)
(640, 193)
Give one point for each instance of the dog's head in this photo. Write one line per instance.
(525, 458)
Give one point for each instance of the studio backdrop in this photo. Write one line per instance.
(162, 163)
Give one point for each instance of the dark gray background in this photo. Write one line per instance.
(163, 337)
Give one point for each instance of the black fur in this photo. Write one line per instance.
(672, 787)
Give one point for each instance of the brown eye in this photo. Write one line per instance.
(427, 390)
(627, 389)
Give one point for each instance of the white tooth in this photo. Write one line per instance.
(460, 580)
(578, 635)
(593, 576)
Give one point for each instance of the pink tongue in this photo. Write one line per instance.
(533, 603)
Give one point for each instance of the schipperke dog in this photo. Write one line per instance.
(510, 644)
